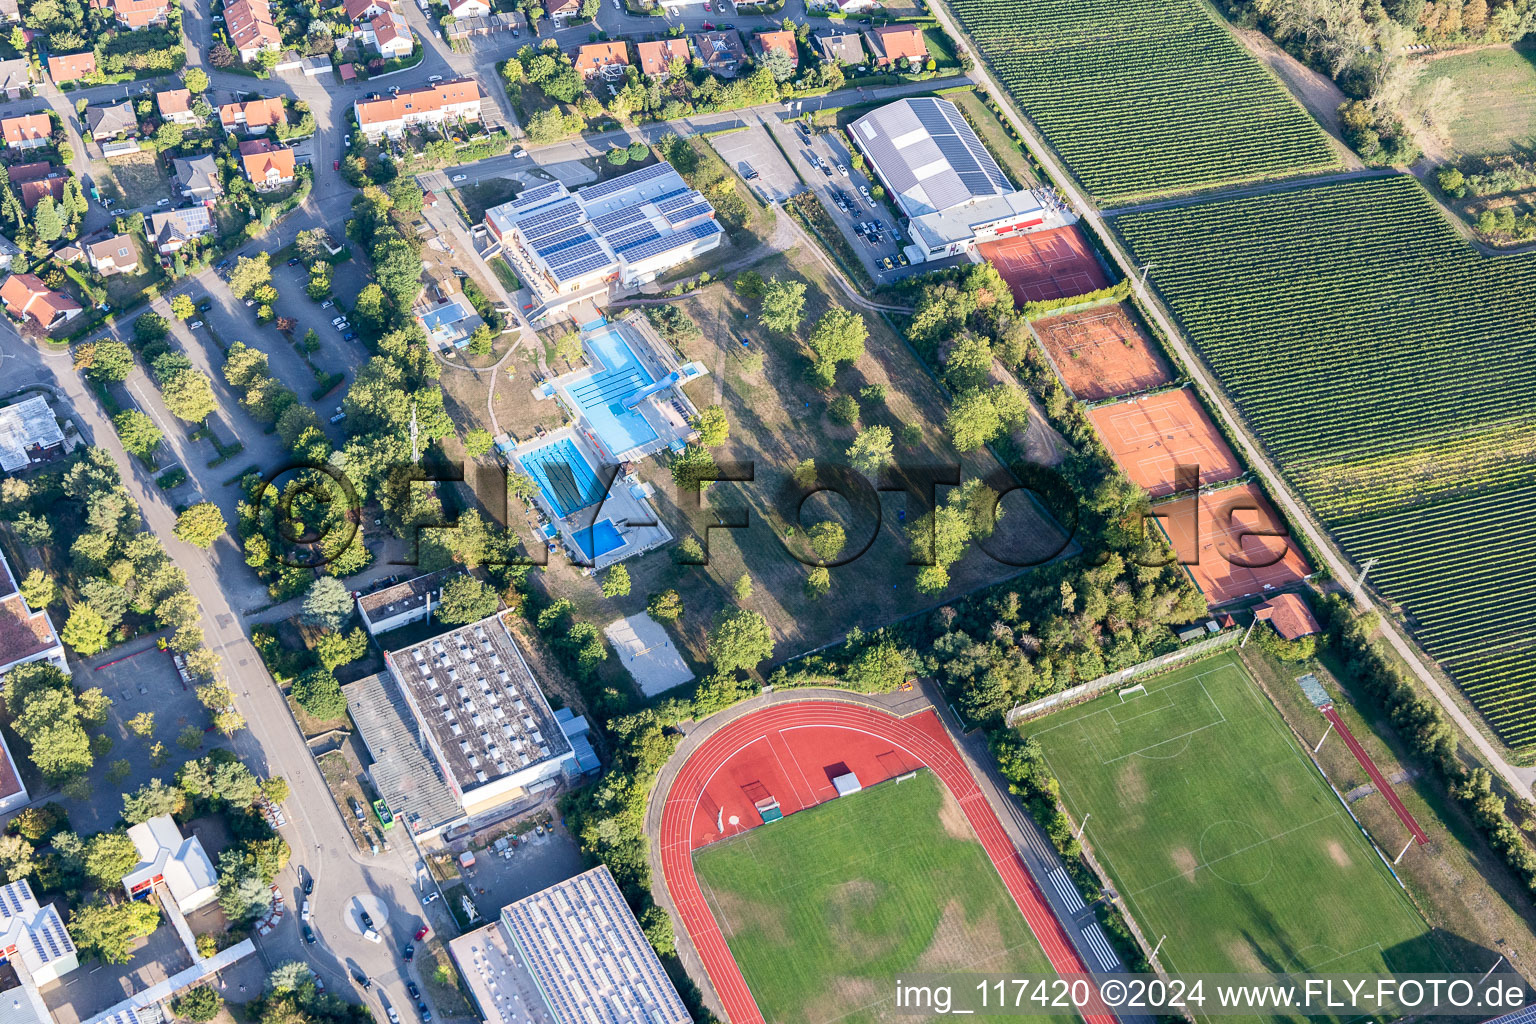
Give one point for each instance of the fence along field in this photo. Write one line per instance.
(1145, 98)
(1388, 368)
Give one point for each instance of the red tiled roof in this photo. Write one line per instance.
(259, 113)
(1290, 616)
(70, 66)
(657, 55)
(26, 128)
(174, 101)
(896, 41)
(23, 633)
(29, 172)
(593, 56)
(260, 157)
(778, 40)
(26, 295)
(435, 97)
(33, 191)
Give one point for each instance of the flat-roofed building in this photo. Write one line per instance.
(482, 715)
(403, 769)
(574, 947)
(402, 604)
(625, 231)
(942, 178)
(29, 434)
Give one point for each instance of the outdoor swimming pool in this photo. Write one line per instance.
(601, 395)
(564, 476)
(599, 539)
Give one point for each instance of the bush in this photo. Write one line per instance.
(844, 410)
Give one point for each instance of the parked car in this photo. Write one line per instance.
(250, 302)
(426, 1014)
(363, 915)
(327, 304)
(373, 936)
(843, 170)
(409, 952)
(421, 933)
(309, 884)
(394, 1018)
(748, 172)
(826, 170)
(335, 165)
(194, 325)
(293, 262)
(357, 812)
(304, 911)
(435, 78)
(337, 322)
(162, 202)
(338, 417)
(901, 258)
(887, 263)
(349, 336)
(461, 177)
(412, 988)
(362, 979)
(204, 307)
(309, 933)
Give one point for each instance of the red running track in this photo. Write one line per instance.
(1381, 784)
(790, 751)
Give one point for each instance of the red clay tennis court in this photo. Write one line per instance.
(1150, 437)
(1232, 543)
(1038, 265)
(1101, 354)
(783, 758)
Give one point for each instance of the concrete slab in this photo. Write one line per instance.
(648, 652)
(751, 150)
(571, 172)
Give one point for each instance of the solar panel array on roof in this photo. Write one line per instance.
(675, 240)
(676, 200)
(611, 222)
(687, 213)
(571, 271)
(536, 195)
(633, 235)
(623, 181)
(552, 247)
(961, 149)
(549, 219)
(928, 155)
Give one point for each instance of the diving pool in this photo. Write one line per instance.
(563, 474)
(601, 395)
(599, 539)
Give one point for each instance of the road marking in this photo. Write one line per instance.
(1066, 890)
(1100, 946)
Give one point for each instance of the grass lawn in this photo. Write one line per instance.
(992, 134)
(481, 196)
(135, 180)
(123, 289)
(823, 909)
(1497, 86)
(779, 418)
(1220, 834)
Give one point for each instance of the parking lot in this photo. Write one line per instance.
(824, 162)
(752, 154)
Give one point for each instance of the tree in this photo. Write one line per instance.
(250, 273)
(817, 582)
(337, 649)
(188, 394)
(47, 222)
(138, 433)
(86, 631)
(106, 362)
(242, 893)
(38, 590)
(666, 606)
(783, 305)
(481, 341)
(151, 800)
(742, 588)
(616, 581)
(319, 694)
(182, 307)
(712, 426)
(837, 338)
(328, 603)
(406, 194)
(108, 857)
(477, 441)
(142, 724)
(108, 931)
(201, 524)
(779, 64)
(198, 1004)
(15, 858)
(827, 539)
(618, 156)
(195, 79)
(739, 639)
(466, 599)
(638, 151)
(844, 409)
(150, 328)
(871, 449)
(692, 467)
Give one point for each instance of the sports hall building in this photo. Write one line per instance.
(952, 192)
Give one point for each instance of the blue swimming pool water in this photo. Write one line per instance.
(564, 476)
(599, 539)
(601, 395)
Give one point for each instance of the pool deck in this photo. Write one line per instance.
(630, 511)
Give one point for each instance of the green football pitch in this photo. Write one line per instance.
(826, 908)
(1221, 834)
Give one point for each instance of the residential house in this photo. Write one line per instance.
(180, 865)
(484, 25)
(175, 228)
(468, 8)
(839, 47)
(41, 949)
(359, 11)
(9, 250)
(455, 100)
(110, 122)
(656, 56)
(27, 131)
(175, 105)
(25, 296)
(721, 52)
(19, 173)
(71, 67)
(562, 11)
(15, 77)
(764, 42)
(445, 313)
(595, 58)
(115, 255)
(29, 435)
(390, 35)
(251, 29)
(266, 164)
(198, 177)
(253, 117)
(70, 253)
(891, 43)
(10, 11)
(136, 14)
(31, 192)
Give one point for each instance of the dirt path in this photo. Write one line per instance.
(1314, 90)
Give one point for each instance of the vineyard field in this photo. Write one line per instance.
(1388, 368)
(1145, 98)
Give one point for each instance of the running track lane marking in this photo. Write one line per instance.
(1382, 786)
(940, 757)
